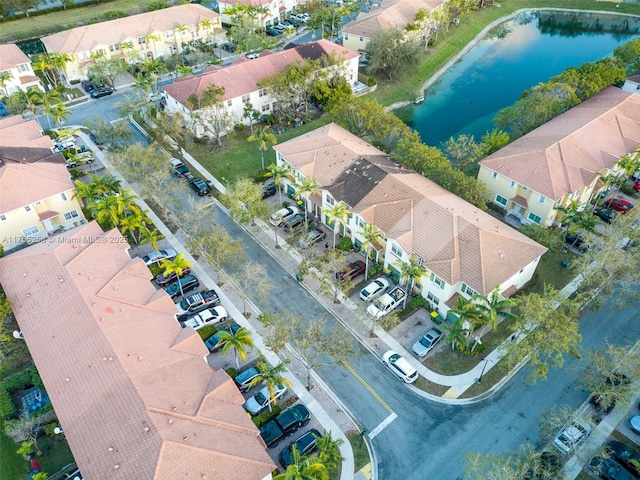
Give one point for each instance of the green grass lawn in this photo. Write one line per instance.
(551, 272)
(57, 454)
(12, 465)
(360, 452)
(451, 42)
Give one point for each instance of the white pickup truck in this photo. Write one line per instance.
(206, 317)
(387, 302)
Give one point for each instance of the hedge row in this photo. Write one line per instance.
(25, 378)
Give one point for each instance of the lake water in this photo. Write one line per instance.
(515, 56)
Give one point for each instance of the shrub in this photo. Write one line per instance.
(344, 244)
(375, 269)
(419, 302)
(497, 208)
(232, 372)
(478, 350)
(206, 332)
(626, 189)
(7, 408)
(157, 6)
(239, 127)
(371, 82)
(267, 416)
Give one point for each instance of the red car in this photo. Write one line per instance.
(636, 186)
(164, 281)
(353, 270)
(619, 205)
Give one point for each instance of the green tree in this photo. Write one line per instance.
(175, 267)
(371, 236)
(469, 312)
(329, 449)
(150, 236)
(457, 335)
(60, 113)
(239, 341)
(251, 114)
(493, 307)
(411, 272)
(5, 76)
(323, 268)
(389, 53)
(264, 138)
(629, 54)
(271, 377)
(525, 462)
(463, 150)
(108, 70)
(253, 279)
(279, 173)
(493, 141)
(338, 215)
(303, 468)
(244, 201)
(304, 189)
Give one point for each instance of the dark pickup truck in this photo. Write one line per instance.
(284, 424)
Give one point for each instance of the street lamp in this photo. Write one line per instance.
(479, 379)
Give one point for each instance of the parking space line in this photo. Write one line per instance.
(368, 387)
(372, 434)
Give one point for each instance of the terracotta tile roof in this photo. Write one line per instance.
(24, 184)
(253, 3)
(23, 133)
(11, 55)
(242, 77)
(567, 152)
(89, 37)
(520, 200)
(129, 386)
(390, 14)
(456, 240)
(47, 214)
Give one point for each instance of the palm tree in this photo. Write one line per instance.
(105, 211)
(412, 272)
(630, 163)
(59, 62)
(150, 236)
(493, 307)
(176, 266)
(127, 203)
(271, 377)
(329, 449)
(338, 214)
(179, 28)
(60, 113)
(50, 100)
(456, 334)
(469, 312)
(5, 76)
(85, 192)
(571, 211)
(144, 83)
(304, 190)
(279, 173)
(265, 137)
(304, 468)
(239, 341)
(131, 223)
(371, 235)
(154, 38)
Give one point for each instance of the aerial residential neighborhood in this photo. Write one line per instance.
(319, 239)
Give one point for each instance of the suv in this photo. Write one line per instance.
(278, 218)
(213, 342)
(101, 92)
(572, 436)
(188, 282)
(244, 379)
(305, 445)
(576, 241)
(285, 424)
(199, 186)
(399, 366)
(293, 222)
(196, 303)
(268, 190)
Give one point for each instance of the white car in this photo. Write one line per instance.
(399, 366)
(157, 256)
(261, 400)
(282, 215)
(572, 436)
(427, 341)
(207, 317)
(375, 288)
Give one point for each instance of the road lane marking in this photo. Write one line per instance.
(368, 387)
(372, 434)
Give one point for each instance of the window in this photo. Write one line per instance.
(101, 51)
(361, 39)
(262, 93)
(534, 218)
(27, 208)
(27, 232)
(494, 174)
(3, 218)
(346, 36)
(396, 249)
(63, 196)
(23, 67)
(330, 200)
(246, 98)
(142, 40)
(274, 105)
(168, 34)
(541, 199)
(437, 280)
(512, 184)
(432, 298)
(468, 290)
(501, 200)
(71, 215)
(524, 188)
(265, 108)
(229, 103)
(360, 222)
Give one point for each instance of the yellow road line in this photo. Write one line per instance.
(368, 387)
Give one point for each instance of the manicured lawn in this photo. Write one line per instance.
(56, 454)
(360, 452)
(12, 465)
(451, 42)
(550, 271)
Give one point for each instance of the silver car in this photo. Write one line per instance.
(426, 342)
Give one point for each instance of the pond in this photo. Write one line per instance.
(516, 55)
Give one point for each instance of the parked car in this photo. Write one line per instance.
(625, 455)
(206, 317)
(278, 27)
(279, 217)
(243, 379)
(609, 469)
(601, 404)
(353, 270)
(605, 214)
(294, 22)
(188, 283)
(576, 241)
(88, 86)
(427, 341)
(229, 47)
(179, 168)
(101, 92)
(311, 237)
(305, 444)
(213, 342)
(199, 186)
(375, 288)
(285, 424)
(272, 32)
(261, 400)
(196, 303)
(94, 138)
(163, 281)
(293, 222)
(269, 190)
(3, 109)
(399, 366)
(157, 256)
(616, 379)
(619, 205)
(570, 437)
(634, 424)
(635, 186)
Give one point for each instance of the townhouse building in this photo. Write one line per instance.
(271, 11)
(16, 70)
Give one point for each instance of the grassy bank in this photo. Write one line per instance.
(451, 42)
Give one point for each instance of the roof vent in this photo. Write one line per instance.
(174, 409)
(146, 429)
(25, 274)
(140, 359)
(116, 467)
(170, 421)
(60, 279)
(110, 449)
(67, 379)
(185, 438)
(28, 295)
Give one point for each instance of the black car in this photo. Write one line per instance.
(285, 424)
(95, 139)
(199, 186)
(609, 469)
(163, 281)
(577, 242)
(602, 404)
(268, 190)
(271, 32)
(628, 457)
(293, 22)
(101, 92)
(305, 444)
(188, 283)
(229, 47)
(607, 215)
(88, 86)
